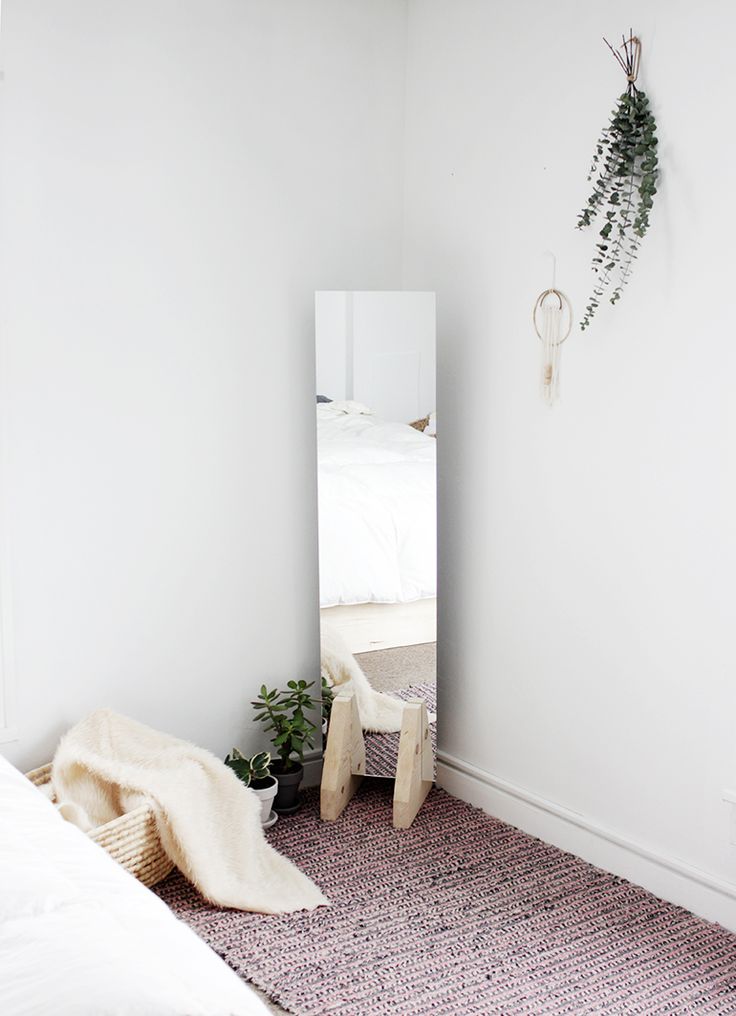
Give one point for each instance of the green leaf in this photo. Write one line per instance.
(241, 768)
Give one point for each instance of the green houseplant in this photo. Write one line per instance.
(283, 714)
(326, 705)
(624, 175)
(255, 772)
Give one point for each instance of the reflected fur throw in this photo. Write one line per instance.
(378, 712)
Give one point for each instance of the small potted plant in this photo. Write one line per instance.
(255, 773)
(283, 713)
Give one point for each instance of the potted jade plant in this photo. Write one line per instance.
(255, 773)
(292, 732)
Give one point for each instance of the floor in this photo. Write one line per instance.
(389, 670)
(644, 931)
(462, 914)
(271, 1006)
(394, 669)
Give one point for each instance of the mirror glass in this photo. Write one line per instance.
(376, 440)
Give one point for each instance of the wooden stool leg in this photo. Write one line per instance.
(415, 766)
(344, 762)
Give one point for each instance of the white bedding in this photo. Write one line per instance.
(377, 508)
(79, 936)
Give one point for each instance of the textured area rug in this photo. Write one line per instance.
(461, 914)
(393, 669)
(382, 750)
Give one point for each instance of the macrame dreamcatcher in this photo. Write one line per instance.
(552, 322)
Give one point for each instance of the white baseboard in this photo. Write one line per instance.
(669, 878)
(312, 769)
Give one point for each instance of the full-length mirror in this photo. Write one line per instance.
(376, 440)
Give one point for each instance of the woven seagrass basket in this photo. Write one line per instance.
(132, 839)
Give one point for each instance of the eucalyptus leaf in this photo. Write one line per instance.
(624, 174)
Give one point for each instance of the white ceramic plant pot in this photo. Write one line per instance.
(265, 796)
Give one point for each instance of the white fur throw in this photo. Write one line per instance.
(378, 712)
(208, 821)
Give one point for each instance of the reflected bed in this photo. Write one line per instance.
(377, 527)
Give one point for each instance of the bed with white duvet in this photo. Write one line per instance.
(79, 936)
(377, 508)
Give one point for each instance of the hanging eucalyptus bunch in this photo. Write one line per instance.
(624, 175)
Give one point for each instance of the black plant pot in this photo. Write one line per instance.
(287, 799)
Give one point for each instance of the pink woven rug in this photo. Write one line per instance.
(462, 914)
(382, 750)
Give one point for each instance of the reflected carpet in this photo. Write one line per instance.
(382, 750)
(393, 669)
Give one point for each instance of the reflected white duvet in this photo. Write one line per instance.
(377, 508)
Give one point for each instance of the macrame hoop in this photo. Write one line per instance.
(551, 333)
(564, 306)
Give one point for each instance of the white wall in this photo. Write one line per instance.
(588, 553)
(379, 349)
(178, 177)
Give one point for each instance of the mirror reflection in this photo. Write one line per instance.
(376, 440)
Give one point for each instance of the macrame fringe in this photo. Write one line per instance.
(551, 352)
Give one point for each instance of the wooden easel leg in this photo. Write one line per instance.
(415, 765)
(344, 762)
